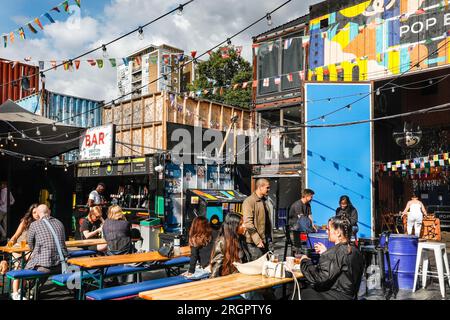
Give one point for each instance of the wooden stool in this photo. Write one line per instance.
(440, 254)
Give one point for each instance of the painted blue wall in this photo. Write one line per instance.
(339, 159)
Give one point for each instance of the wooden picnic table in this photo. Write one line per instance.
(216, 288)
(106, 261)
(69, 244)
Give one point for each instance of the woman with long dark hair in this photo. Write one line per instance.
(230, 247)
(201, 242)
(346, 209)
(20, 236)
(338, 274)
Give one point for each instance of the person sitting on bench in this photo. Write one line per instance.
(45, 257)
(338, 274)
(117, 232)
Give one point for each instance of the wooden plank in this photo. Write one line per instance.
(197, 115)
(208, 125)
(69, 244)
(153, 124)
(164, 122)
(184, 110)
(221, 118)
(105, 261)
(216, 288)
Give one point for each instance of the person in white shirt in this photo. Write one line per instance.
(4, 208)
(96, 196)
(416, 214)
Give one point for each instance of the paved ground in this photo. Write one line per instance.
(52, 292)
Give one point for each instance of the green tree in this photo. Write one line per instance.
(224, 72)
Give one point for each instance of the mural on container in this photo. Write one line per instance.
(378, 38)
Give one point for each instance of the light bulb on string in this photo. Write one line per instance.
(29, 159)
(141, 33)
(67, 135)
(349, 107)
(10, 137)
(378, 92)
(180, 10)
(322, 118)
(23, 135)
(23, 159)
(54, 128)
(269, 19)
(431, 81)
(38, 132)
(15, 145)
(229, 42)
(46, 168)
(393, 89)
(105, 52)
(3, 153)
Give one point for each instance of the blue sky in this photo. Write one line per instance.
(17, 12)
(204, 24)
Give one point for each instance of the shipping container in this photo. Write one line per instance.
(11, 84)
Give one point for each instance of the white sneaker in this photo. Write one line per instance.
(16, 296)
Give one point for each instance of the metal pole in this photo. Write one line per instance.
(182, 197)
(8, 198)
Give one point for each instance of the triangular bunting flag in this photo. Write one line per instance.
(238, 50)
(5, 41)
(235, 86)
(28, 59)
(287, 43)
(65, 5)
(92, 62)
(255, 84)
(56, 9)
(193, 54)
(137, 60)
(270, 46)
(215, 90)
(266, 82)
(100, 63)
(32, 29)
(49, 17)
(290, 77)
(113, 62)
(66, 66)
(38, 22)
(77, 64)
(78, 2)
(53, 64)
(205, 92)
(22, 33)
(277, 80)
(221, 91)
(244, 85)
(302, 75)
(224, 52)
(126, 61)
(420, 11)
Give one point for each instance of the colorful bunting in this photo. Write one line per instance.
(166, 59)
(77, 64)
(5, 41)
(290, 77)
(22, 33)
(38, 22)
(277, 81)
(266, 82)
(78, 2)
(255, 84)
(100, 63)
(126, 61)
(56, 9)
(235, 86)
(193, 54)
(113, 62)
(137, 60)
(53, 64)
(49, 17)
(238, 50)
(287, 43)
(420, 11)
(32, 29)
(65, 4)
(244, 85)
(224, 52)
(92, 62)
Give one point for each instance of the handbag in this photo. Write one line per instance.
(274, 270)
(254, 267)
(166, 250)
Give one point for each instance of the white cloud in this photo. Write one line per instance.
(204, 24)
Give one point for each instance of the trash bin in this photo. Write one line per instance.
(150, 230)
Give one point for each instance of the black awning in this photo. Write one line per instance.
(15, 120)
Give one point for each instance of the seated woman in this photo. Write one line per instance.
(229, 247)
(338, 274)
(346, 209)
(21, 235)
(201, 242)
(117, 232)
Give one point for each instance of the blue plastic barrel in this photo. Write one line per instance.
(318, 237)
(402, 255)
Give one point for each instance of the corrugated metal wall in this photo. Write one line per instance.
(10, 84)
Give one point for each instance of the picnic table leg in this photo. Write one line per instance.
(80, 291)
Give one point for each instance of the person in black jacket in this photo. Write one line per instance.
(201, 241)
(346, 209)
(338, 274)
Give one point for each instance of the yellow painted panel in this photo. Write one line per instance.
(333, 72)
(394, 61)
(319, 73)
(348, 70)
(343, 36)
(363, 69)
(355, 10)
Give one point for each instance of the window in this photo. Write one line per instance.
(281, 58)
(268, 67)
(324, 23)
(292, 54)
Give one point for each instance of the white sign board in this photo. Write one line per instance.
(98, 143)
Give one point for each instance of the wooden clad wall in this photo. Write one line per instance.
(141, 123)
